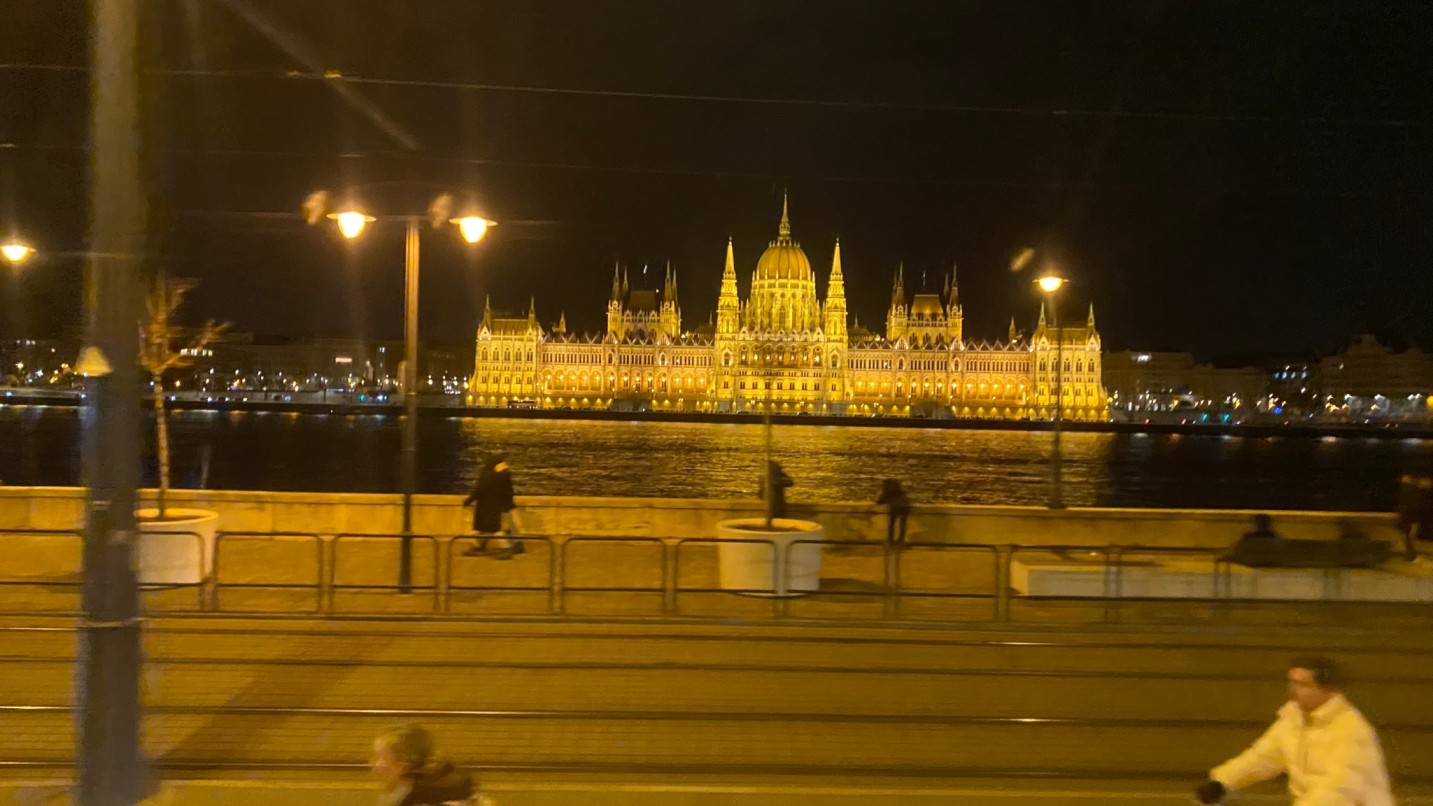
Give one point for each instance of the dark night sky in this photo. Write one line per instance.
(1226, 177)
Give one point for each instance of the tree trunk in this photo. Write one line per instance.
(161, 443)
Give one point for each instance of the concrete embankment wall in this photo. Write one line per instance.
(346, 513)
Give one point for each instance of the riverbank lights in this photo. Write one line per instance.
(16, 252)
(473, 228)
(1050, 283)
(351, 223)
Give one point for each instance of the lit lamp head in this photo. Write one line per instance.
(1050, 283)
(473, 228)
(15, 252)
(351, 223)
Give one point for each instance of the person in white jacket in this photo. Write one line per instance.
(1329, 751)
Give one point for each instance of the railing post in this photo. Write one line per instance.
(781, 556)
(1004, 555)
(1114, 583)
(557, 576)
(892, 573)
(327, 572)
(671, 569)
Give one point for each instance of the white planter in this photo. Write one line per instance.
(758, 567)
(178, 550)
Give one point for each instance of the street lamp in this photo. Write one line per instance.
(16, 252)
(1050, 284)
(352, 222)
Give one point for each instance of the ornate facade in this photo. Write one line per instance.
(783, 349)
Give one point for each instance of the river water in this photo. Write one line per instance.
(287, 451)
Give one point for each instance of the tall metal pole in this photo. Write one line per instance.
(1057, 492)
(410, 400)
(109, 771)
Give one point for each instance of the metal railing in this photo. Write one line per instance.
(300, 573)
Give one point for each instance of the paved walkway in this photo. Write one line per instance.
(667, 702)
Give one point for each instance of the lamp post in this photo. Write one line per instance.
(1050, 284)
(352, 221)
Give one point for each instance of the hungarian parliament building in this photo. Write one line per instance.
(784, 350)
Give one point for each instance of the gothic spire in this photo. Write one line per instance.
(616, 282)
(898, 292)
(836, 289)
(1090, 323)
(784, 229)
(625, 287)
(1014, 334)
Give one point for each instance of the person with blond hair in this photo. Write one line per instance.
(412, 773)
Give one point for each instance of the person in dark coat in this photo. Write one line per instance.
(413, 774)
(1260, 547)
(898, 504)
(491, 498)
(773, 488)
(1415, 512)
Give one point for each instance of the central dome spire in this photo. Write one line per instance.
(783, 259)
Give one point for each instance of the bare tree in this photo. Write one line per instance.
(159, 337)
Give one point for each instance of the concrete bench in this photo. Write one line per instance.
(1199, 579)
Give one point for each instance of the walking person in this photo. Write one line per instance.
(773, 489)
(1325, 746)
(494, 510)
(898, 507)
(412, 773)
(1415, 512)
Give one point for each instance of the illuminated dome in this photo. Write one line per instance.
(783, 259)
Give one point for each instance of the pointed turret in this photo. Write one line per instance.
(896, 317)
(616, 282)
(898, 290)
(1042, 314)
(532, 309)
(625, 286)
(728, 304)
(670, 317)
(835, 324)
(562, 322)
(1014, 334)
(953, 294)
(783, 230)
(487, 309)
(1090, 322)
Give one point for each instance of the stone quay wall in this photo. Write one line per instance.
(328, 514)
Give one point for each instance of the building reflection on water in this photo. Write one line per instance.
(254, 450)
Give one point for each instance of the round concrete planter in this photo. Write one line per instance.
(779, 565)
(178, 550)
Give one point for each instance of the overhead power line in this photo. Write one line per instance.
(821, 103)
(785, 175)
